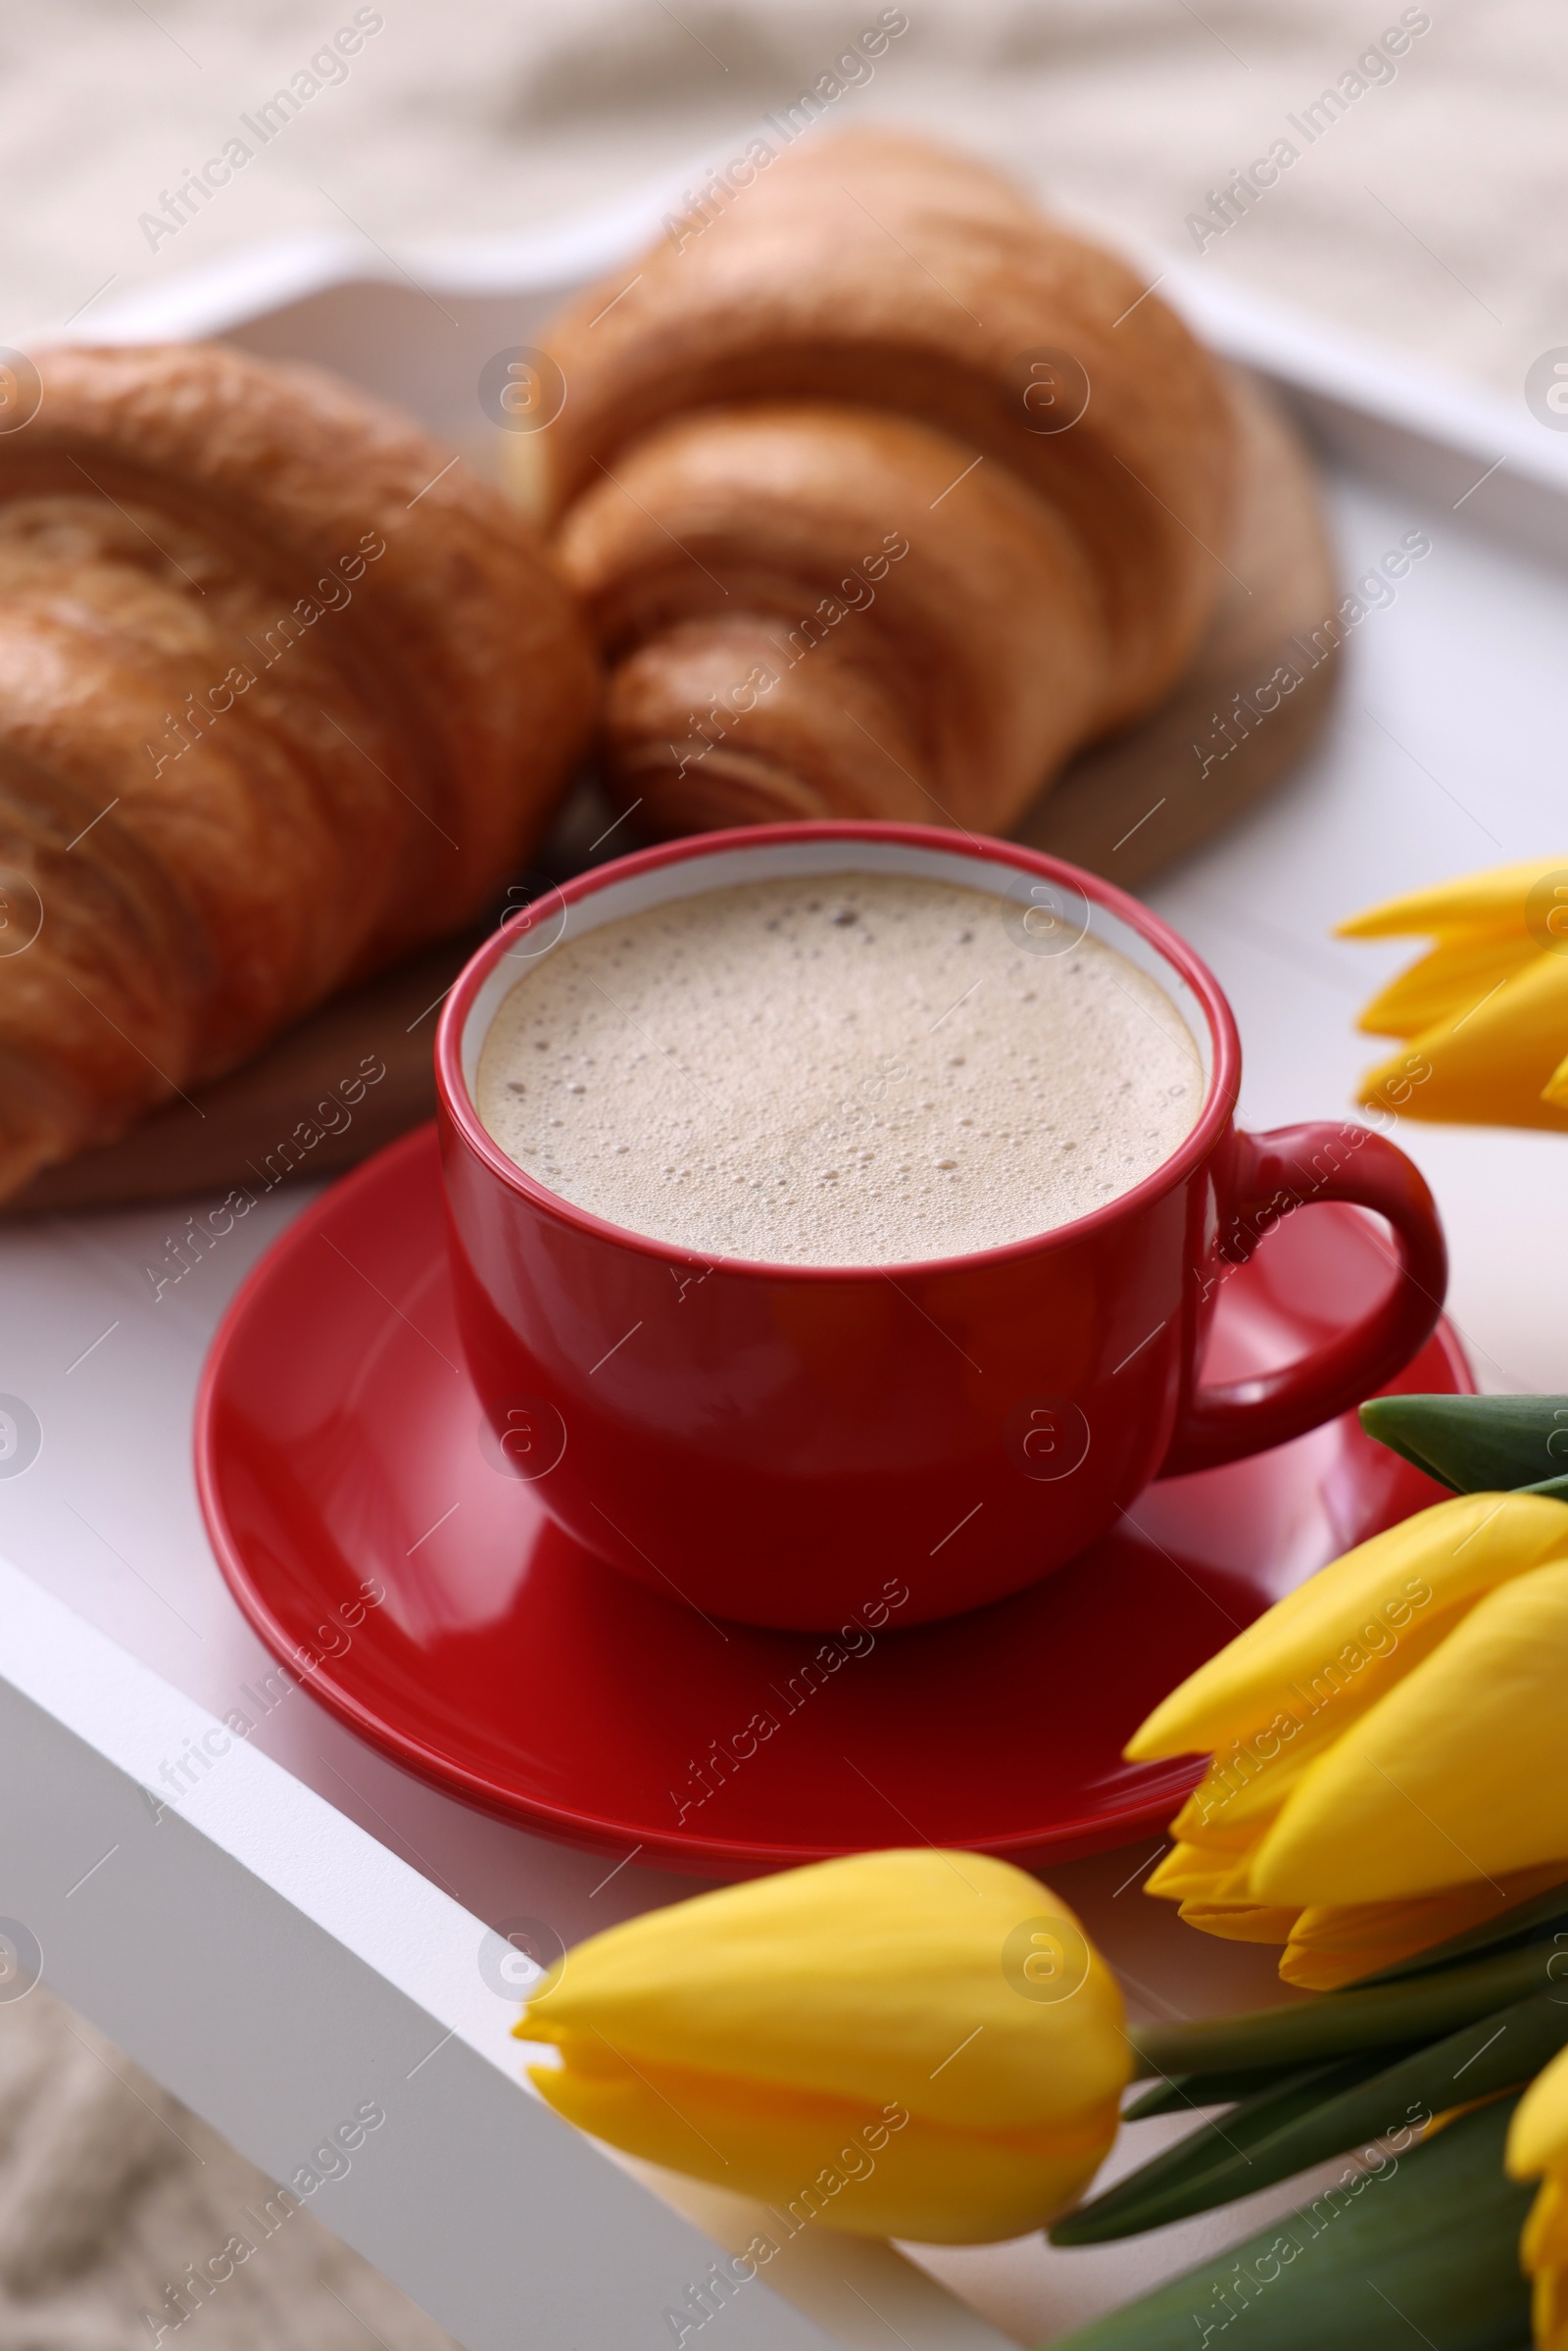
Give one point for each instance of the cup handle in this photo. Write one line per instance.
(1265, 1179)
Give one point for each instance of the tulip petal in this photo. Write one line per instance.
(1458, 1772)
(1336, 1943)
(1443, 984)
(1548, 2310)
(1188, 1869)
(1215, 1896)
(1239, 1922)
(1539, 2138)
(1472, 901)
(1327, 1971)
(1330, 1648)
(1538, 2142)
(849, 2166)
(919, 1976)
(1239, 1795)
(1544, 2243)
(1203, 1824)
(1506, 1090)
(1490, 1063)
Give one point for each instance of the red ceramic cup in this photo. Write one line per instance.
(779, 1444)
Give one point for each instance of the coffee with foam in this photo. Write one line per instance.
(865, 1070)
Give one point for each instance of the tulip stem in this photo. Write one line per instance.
(1417, 2008)
(1323, 2110)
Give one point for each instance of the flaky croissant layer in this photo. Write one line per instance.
(879, 344)
(882, 651)
(283, 693)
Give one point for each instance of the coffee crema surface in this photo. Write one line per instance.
(867, 1069)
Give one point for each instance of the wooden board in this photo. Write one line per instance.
(1125, 809)
(1134, 804)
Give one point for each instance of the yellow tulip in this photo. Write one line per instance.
(1484, 1013)
(919, 2044)
(1389, 1745)
(1537, 2145)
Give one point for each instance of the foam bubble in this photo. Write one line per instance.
(861, 1070)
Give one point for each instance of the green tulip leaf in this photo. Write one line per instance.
(1188, 2093)
(1323, 2112)
(1416, 2008)
(1427, 2248)
(1477, 1443)
(1216, 2163)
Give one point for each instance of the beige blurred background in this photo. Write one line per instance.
(1431, 215)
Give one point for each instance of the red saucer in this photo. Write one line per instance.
(338, 1438)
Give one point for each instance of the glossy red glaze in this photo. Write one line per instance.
(339, 1437)
(770, 1441)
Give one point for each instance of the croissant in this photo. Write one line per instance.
(884, 494)
(284, 691)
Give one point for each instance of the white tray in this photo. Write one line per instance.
(305, 1930)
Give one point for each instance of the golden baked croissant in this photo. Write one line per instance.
(284, 691)
(852, 539)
